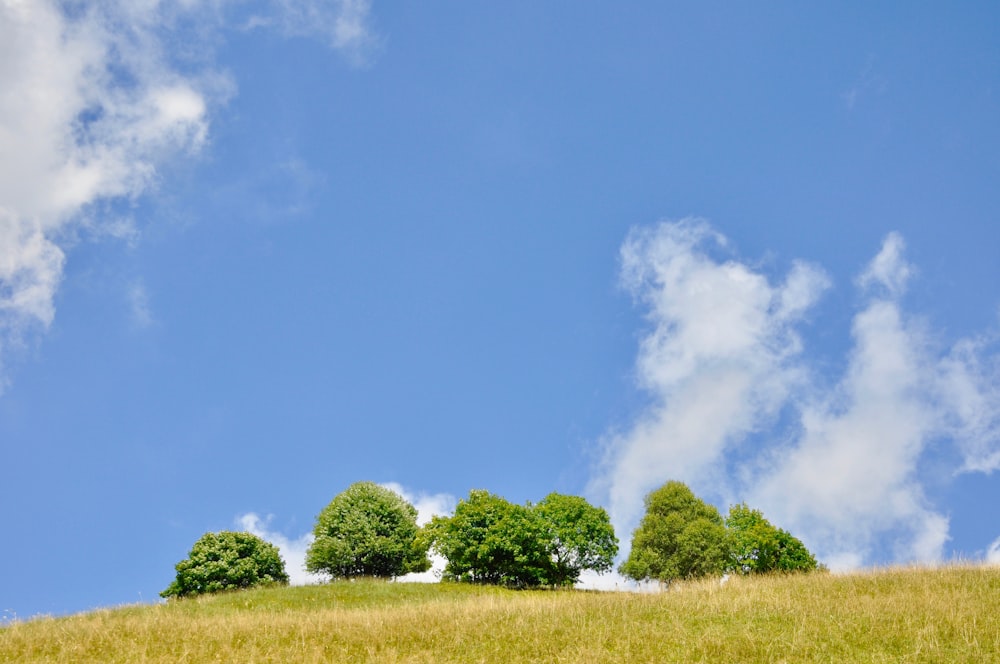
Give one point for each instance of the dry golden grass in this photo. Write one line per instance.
(950, 614)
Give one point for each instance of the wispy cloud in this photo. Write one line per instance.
(888, 271)
(868, 82)
(970, 384)
(92, 102)
(30, 270)
(344, 24)
(138, 300)
(723, 357)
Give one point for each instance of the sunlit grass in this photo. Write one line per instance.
(925, 615)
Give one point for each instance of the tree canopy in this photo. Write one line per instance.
(226, 561)
(682, 536)
(758, 547)
(367, 530)
(579, 536)
(491, 540)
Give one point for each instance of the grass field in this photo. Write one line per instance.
(950, 614)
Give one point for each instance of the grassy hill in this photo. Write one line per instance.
(950, 614)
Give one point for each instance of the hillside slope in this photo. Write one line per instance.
(942, 615)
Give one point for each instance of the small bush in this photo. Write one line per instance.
(227, 561)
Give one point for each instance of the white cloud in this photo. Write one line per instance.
(293, 551)
(72, 135)
(970, 385)
(74, 130)
(30, 269)
(722, 358)
(993, 553)
(888, 270)
(717, 360)
(92, 103)
(851, 475)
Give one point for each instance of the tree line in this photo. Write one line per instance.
(371, 531)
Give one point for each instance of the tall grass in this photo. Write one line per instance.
(924, 615)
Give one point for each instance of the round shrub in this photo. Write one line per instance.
(367, 530)
(226, 561)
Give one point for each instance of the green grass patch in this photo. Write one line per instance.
(922, 615)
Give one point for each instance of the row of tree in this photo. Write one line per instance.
(371, 531)
(682, 537)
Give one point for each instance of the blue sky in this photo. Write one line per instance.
(254, 251)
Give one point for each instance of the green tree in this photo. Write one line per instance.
(225, 561)
(758, 547)
(680, 537)
(491, 540)
(578, 536)
(367, 530)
